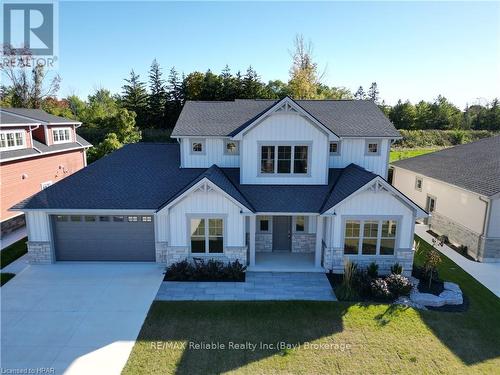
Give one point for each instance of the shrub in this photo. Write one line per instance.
(399, 285)
(347, 290)
(462, 249)
(201, 270)
(362, 283)
(372, 270)
(380, 290)
(397, 269)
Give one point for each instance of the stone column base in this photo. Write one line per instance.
(40, 252)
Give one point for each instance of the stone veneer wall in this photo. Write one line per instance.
(489, 250)
(40, 252)
(456, 233)
(333, 260)
(303, 242)
(172, 254)
(11, 225)
(263, 242)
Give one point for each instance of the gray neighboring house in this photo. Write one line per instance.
(279, 185)
(460, 188)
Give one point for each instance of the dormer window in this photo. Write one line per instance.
(197, 146)
(61, 135)
(284, 159)
(12, 140)
(372, 147)
(231, 147)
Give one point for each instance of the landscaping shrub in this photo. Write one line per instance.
(462, 249)
(380, 290)
(397, 269)
(432, 260)
(347, 290)
(362, 283)
(201, 270)
(372, 270)
(398, 285)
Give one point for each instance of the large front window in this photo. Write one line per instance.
(12, 140)
(284, 159)
(207, 235)
(62, 135)
(370, 237)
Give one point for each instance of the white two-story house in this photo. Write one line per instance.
(278, 185)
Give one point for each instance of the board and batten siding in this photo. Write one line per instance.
(38, 226)
(212, 154)
(368, 204)
(353, 150)
(282, 128)
(200, 203)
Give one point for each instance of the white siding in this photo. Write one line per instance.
(199, 202)
(213, 154)
(494, 226)
(369, 203)
(161, 226)
(281, 128)
(459, 205)
(38, 226)
(353, 151)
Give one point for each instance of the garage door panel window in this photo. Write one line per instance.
(146, 219)
(370, 237)
(103, 218)
(132, 219)
(61, 218)
(90, 218)
(207, 235)
(119, 218)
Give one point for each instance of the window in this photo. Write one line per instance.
(75, 218)
(207, 238)
(334, 148)
(118, 218)
(103, 218)
(89, 218)
(12, 140)
(61, 218)
(132, 219)
(61, 135)
(231, 147)
(370, 237)
(372, 148)
(289, 160)
(300, 223)
(351, 237)
(198, 147)
(146, 219)
(418, 183)
(45, 185)
(264, 225)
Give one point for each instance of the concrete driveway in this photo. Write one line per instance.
(76, 318)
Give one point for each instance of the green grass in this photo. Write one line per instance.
(13, 252)
(377, 338)
(4, 277)
(405, 153)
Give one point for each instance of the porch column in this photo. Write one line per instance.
(319, 241)
(251, 243)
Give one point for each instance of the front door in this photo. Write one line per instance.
(282, 233)
(430, 206)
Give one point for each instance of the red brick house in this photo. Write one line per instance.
(36, 150)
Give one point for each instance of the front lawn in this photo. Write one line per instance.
(405, 153)
(330, 337)
(13, 252)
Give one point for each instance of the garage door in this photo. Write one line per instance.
(100, 238)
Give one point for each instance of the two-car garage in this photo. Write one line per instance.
(104, 237)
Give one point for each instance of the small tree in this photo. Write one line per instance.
(432, 260)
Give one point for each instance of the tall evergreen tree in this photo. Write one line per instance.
(360, 94)
(228, 84)
(252, 86)
(135, 98)
(373, 93)
(175, 96)
(212, 86)
(157, 96)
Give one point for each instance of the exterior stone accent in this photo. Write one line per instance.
(11, 225)
(263, 242)
(40, 252)
(161, 250)
(239, 253)
(172, 254)
(489, 250)
(303, 242)
(176, 254)
(456, 233)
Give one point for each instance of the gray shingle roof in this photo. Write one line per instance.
(8, 119)
(39, 115)
(147, 176)
(346, 118)
(474, 166)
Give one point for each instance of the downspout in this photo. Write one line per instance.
(31, 137)
(486, 221)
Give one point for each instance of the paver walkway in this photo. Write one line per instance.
(487, 274)
(258, 286)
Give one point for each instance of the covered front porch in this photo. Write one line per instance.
(285, 243)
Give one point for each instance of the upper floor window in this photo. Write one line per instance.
(284, 159)
(418, 183)
(231, 147)
(198, 146)
(334, 148)
(372, 147)
(370, 237)
(61, 135)
(12, 140)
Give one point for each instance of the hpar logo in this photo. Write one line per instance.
(29, 32)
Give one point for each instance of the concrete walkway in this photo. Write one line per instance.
(12, 237)
(258, 286)
(487, 274)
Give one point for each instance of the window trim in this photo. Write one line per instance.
(338, 148)
(57, 129)
(15, 147)
(380, 218)
(370, 141)
(203, 146)
(270, 223)
(226, 152)
(292, 144)
(417, 179)
(306, 223)
(208, 216)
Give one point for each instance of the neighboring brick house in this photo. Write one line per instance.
(36, 150)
